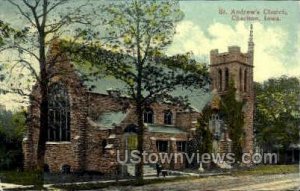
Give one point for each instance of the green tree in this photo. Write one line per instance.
(136, 33)
(276, 110)
(202, 141)
(203, 136)
(12, 128)
(233, 115)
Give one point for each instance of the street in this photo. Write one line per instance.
(265, 182)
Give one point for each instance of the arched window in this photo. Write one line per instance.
(245, 80)
(168, 117)
(226, 78)
(59, 114)
(241, 79)
(148, 115)
(220, 79)
(66, 169)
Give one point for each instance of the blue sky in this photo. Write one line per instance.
(277, 43)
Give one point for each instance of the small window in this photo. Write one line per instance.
(245, 81)
(162, 146)
(220, 80)
(241, 81)
(168, 117)
(226, 78)
(148, 115)
(181, 146)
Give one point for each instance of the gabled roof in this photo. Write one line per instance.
(110, 119)
(156, 128)
(198, 98)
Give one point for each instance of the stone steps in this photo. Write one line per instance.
(148, 170)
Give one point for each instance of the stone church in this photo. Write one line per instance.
(87, 129)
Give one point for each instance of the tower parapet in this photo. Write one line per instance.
(234, 54)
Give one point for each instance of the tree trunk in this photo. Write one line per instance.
(42, 136)
(139, 104)
(43, 112)
(139, 166)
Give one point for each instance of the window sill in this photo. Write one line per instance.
(57, 142)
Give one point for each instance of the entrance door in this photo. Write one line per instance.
(131, 139)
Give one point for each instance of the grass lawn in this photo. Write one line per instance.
(257, 170)
(90, 186)
(29, 178)
(268, 169)
(21, 178)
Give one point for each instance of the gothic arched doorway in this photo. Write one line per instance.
(131, 139)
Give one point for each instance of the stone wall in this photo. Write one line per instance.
(104, 160)
(59, 153)
(150, 147)
(187, 120)
(85, 150)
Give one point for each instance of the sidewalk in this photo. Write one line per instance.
(7, 186)
(176, 174)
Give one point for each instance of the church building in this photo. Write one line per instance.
(89, 129)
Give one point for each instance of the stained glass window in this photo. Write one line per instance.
(59, 114)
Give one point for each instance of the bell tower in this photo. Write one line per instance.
(237, 66)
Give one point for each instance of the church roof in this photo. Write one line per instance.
(156, 128)
(109, 119)
(196, 97)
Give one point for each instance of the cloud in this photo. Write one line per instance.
(295, 71)
(269, 44)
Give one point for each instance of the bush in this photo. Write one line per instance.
(12, 127)
(15, 177)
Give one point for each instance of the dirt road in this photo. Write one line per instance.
(224, 183)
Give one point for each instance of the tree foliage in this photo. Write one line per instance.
(203, 134)
(131, 49)
(276, 112)
(202, 140)
(233, 115)
(12, 128)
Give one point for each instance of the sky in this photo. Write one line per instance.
(277, 43)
